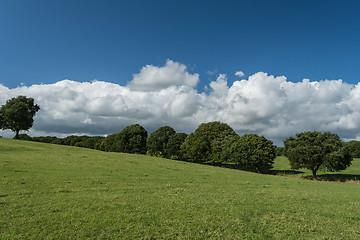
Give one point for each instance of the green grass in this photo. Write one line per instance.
(60, 192)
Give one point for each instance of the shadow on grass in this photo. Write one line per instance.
(263, 170)
(299, 174)
(336, 177)
(285, 172)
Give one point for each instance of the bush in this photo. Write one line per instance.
(24, 137)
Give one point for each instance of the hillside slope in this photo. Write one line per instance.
(58, 192)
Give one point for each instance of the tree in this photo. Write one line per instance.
(88, 142)
(251, 151)
(316, 150)
(24, 137)
(158, 140)
(173, 146)
(353, 148)
(131, 139)
(18, 114)
(199, 146)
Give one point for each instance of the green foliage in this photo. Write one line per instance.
(131, 139)
(89, 142)
(353, 148)
(107, 144)
(251, 151)
(200, 146)
(316, 150)
(24, 137)
(279, 151)
(158, 140)
(220, 147)
(57, 141)
(173, 146)
(46, 139)
(17, 114)
(73, 140)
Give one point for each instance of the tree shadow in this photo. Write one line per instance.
(337, 177)
(285, 172)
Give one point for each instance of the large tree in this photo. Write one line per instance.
(199, 146)
(251, 151)
(158, 140)
(173, 146)
(131, 139)
(316, 150)
(18, 114)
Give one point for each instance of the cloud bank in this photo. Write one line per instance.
(158, 96)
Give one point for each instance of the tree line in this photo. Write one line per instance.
(217, 143)
(212, 143)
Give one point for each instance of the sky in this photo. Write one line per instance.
(273, 68)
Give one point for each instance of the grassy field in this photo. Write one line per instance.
(60, 192)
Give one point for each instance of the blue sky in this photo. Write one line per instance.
(173, 63)
(47, 41)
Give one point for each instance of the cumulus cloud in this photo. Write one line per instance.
(264, 104)
(152, 78)
(239, 74)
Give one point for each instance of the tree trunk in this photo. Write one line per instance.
(314, 172)
(17, 134)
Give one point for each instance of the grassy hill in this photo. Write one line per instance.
(59, 192)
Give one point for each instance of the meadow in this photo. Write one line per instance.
(60, 192)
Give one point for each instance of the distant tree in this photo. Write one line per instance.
(158, 140)
(100, 144)
(18, 114)
(108, 143)
(24, 137)
(173, 146)
(252, 152)
(57, 141)
(279, 151)
(199, 146)
(45, 139)
(353, 148)
(316, 150)
(73, 140)
(131, 139)
(89, 142)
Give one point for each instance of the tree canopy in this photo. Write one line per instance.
(173, 146)
(18, 114)
(199, 146)
(251, 151)
(131, 139)
(354, 148)
(316, 150)
(158, 140)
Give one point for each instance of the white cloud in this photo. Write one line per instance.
(239, 74)
(152, 78)
(264, 104)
